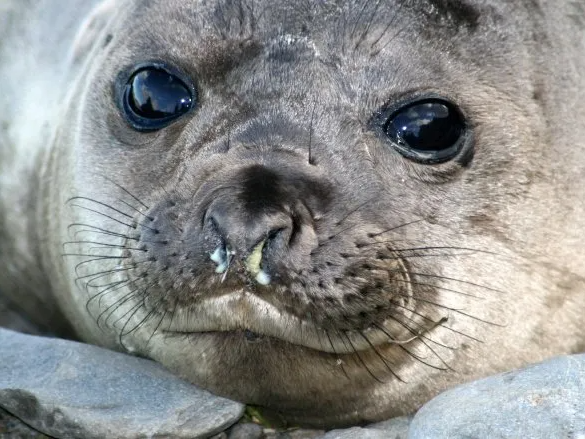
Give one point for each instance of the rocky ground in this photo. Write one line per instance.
(62, 389)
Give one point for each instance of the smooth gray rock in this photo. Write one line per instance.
(72, 390)
(546, 400)
(245, 431)
(12, 428)
(396, 428)
(356, 433)
(292, 433)
(298, 433)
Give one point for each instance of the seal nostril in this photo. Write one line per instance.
(296, 230)
(273, 233)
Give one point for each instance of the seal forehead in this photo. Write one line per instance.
(289, 22)
(250, 41)
(219, 37)
(292, 48)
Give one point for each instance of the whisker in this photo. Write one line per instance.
(368, 26)
(102, 244)
(385, 30)
(442, 325)
(357, 21)
(361, 360)
(114, 306)
(124, 332)
(379, 355)
(156, 327)
(422, 360)
(116, 220)
(106, 216)
(91, 284)
(418, 334)
(335, 352)
(100, 231)
(394, 228)
(427, 337)
(342, 220)
(464, 282)
(100, 275)
(105, 273)
(107, 285)
(125, 190)
(389, 41)
(126, 298)
(107, 206)
(134, 310)
(101, 293)
(421, 340)
(97, 259)
(172, 316)
(423, 284)
(428, 248)
(424, 256)
(136, 210)
(457, 311)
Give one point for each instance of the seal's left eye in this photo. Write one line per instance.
(427, 131)
(154, 97)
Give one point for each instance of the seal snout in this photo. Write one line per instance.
(263, 222)
(248, 238)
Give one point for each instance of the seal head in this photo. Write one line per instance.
(333, 210)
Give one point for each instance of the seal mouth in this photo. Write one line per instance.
(361, 318)
(246, 313)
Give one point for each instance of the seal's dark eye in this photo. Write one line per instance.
(154, 97)
(428, 131)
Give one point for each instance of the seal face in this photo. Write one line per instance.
(333, 210)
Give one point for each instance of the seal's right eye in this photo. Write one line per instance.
(154, 97)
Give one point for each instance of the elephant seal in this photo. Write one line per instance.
(333, 210)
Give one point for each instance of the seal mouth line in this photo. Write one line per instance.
(337, 345)
(256, 316)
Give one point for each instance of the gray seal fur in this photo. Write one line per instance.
(352, 283)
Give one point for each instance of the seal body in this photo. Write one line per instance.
(332, 210)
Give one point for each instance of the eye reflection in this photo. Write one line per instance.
(427, 130)
(156, 94)
(154, 98)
